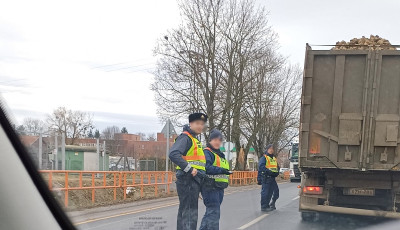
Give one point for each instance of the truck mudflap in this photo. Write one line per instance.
(350, 211)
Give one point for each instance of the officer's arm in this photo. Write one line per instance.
(261, 165)
(210, 168)
(262, 168)
(179, 149)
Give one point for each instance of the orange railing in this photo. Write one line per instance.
(109, 180)
(72, 180)
(243, 177)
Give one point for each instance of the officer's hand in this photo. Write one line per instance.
(194, 172)
(229, 172)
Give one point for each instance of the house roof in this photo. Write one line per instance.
(28, 140)
(80, 148)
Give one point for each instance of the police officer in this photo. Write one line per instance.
(217, 170)
(187, 153)
(267, 172)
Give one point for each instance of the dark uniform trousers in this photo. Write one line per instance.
(212, 198)
(188, 188)
(269, 190)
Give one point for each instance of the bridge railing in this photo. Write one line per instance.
(72, 180)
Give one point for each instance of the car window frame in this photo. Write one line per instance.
(47, 196)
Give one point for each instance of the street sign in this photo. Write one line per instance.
(171, 129)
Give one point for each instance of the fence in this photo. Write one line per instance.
(123, 179)
(243, 177)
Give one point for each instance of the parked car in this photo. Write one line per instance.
(282, 170)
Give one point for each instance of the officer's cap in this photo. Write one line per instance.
(197, 116)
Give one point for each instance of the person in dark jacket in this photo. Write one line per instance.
(267, 172)
(187, 153)
(217, 170)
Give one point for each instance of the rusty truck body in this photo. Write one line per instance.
(349, 133)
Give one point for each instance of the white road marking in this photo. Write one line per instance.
(253, 221)
(297, 197)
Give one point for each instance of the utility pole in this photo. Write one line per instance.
(166, 155)
(229, 140)
(104, 156)
(167, 151)
(98, 147)
(56, 152)
(63, 151)
(40, 150)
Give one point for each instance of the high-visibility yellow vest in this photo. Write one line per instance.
(221, 163)
(195, 156)
(271, 163)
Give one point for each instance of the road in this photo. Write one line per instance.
(240, 210)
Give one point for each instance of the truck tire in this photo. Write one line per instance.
(309, 216)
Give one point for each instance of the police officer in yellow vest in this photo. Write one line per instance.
(267, 172)
(187, 153)
(217, 170)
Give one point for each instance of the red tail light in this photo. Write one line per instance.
(313, 190)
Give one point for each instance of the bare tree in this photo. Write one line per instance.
(20, 129)
(142, 136)
(113, 143)
(34, 126)
(109, 132)
(280, 119)
(188, 76)
(212, 63)
(74, 124)
(151, 137)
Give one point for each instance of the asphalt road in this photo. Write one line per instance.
(240, 210)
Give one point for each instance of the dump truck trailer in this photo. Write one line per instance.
(349, 154)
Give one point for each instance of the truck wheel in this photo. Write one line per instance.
(291, 180)
(309, 216)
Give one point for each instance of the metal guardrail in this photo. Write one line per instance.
(123, 180)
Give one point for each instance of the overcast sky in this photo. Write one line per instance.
(96, 56)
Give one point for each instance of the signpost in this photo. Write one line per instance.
(168, 130)
(63, 150)
(56, 151)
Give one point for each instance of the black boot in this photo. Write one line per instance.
(272, 204)
(267, 209)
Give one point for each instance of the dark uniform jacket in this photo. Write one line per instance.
(214, 170)
(180, 148)
(263, 171)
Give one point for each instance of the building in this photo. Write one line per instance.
(84, 158)
(252, 159)
(128, 149)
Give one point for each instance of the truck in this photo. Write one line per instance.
(349, 154)
(294, 171)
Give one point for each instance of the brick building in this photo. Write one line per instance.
(131, 145)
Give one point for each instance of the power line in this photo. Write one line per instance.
(21, 79)
(130, 67)
(142, 70)
(102, 66)
(121, 63)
